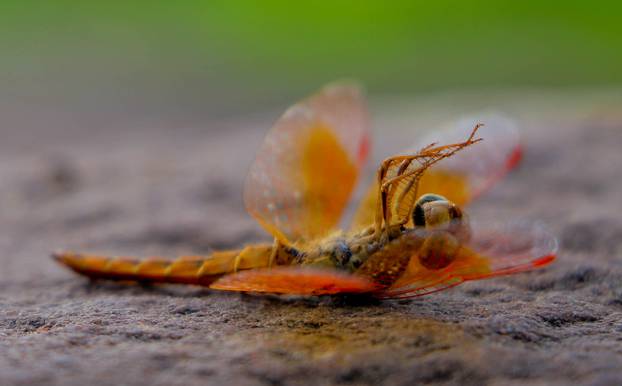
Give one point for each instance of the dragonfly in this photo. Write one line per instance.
(410, 235)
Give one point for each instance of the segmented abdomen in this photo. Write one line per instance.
(199, 270)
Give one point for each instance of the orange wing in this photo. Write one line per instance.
(294, 280)
(308, 165)
(496, 249)
(467, 174)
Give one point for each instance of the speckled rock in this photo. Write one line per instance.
(162, 192)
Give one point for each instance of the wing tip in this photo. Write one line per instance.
(515, 157)
(544, 260)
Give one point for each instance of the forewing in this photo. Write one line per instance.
(465, 175)
(474, 170)
(307, 167)
(295, 281)
(495, 249)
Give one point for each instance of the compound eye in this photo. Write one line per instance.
(434, 211)
(419, 214)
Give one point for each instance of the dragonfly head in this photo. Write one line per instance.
(433, 211)
(444, 226)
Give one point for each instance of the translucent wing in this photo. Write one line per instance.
(467, 174)
(495, 249)
(294, 280)
(308, 165)
(474, 170)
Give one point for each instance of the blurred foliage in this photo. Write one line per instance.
(272, 48)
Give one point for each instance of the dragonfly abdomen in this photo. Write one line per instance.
(198, 270)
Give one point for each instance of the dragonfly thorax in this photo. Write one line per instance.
(343, 251)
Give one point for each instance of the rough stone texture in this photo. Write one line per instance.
(170, 192)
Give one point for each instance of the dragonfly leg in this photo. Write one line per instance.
(408, 170)
(236, 261)
(275, 250)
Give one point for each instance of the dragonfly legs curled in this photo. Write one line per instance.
(408, 170)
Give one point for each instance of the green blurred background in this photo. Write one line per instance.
(180, 62)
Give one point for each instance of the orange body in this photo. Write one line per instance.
(410, 235)
(198, 270)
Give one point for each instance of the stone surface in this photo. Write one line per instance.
(169, 192)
